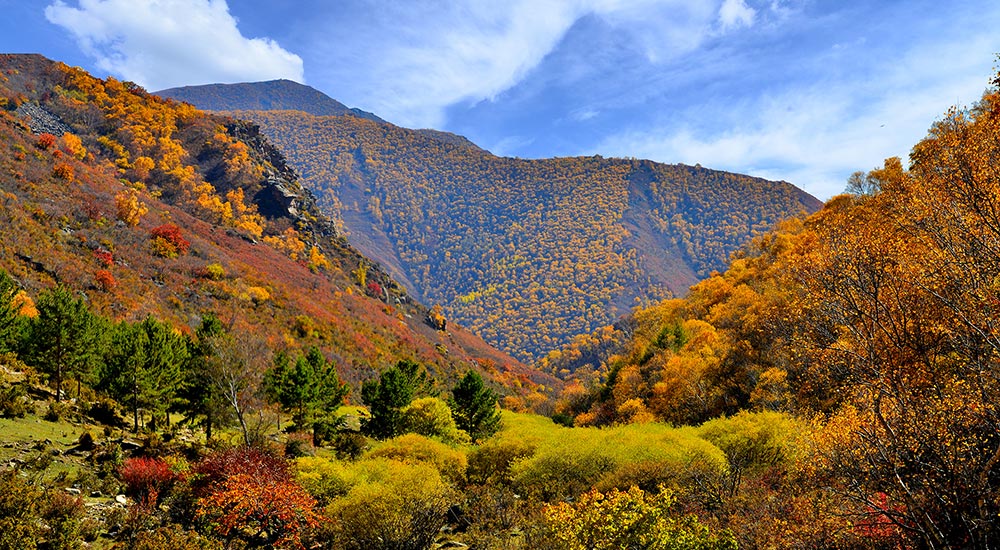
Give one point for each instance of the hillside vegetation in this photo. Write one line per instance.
(151, 207)
(876, 318)
(526, 253)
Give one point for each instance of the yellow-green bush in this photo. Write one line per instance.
(392, 505)
(753, 441)
(577, 459)
(450, 462)
(625, 519)
(431, 417)
(323, 478)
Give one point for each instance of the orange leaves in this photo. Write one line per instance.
(245, 507)
(63, 171)
(74, 146)
(168, 241)
(105, 280)
(250, 495)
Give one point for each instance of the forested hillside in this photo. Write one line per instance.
(151, 207)
(526, 253)
(875, 318)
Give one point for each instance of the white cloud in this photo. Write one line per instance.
(735, 13)
(166, 43)
(815, 135)
(420, 57)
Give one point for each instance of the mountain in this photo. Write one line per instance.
(271, 95)
(151, 207)
(527, 253)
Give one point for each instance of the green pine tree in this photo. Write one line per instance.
(143, 367)
(65, 338)
(310, 389)
(474, 407)
(389, 395)
(10, 322)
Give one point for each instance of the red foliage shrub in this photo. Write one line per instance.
(263, 512)
(145, 478)
(105, 257)
(252, 461)
(172, 235)
(105, 280)
(45, 141)
(374, 289)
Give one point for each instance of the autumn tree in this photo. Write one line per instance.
(474, 407)
(247, 494)
(234, 366)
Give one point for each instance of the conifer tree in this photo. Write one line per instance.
(65, 337)
(143, 366)
(9, 318)
(198, 396)
(474, 407)
(310, 389)
(387, 397)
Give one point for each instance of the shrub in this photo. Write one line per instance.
(298, 444)
(215, 272)
(323, 478)
(57, 411)
(398, 506)
(492, 461)
(63, 171)
(262, 512)
(45, 141)
(251, 461)
(168, 241)
(105, 280)
(14, 401)
(173, 537)
(413, 448)
(63, 515)
(128, 208)
(431, 417)
(640, 520)
(20, 503)
(146, 479)
(104, 257)
(104, 410)
(350, 445)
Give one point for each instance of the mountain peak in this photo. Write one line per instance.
(271, 95)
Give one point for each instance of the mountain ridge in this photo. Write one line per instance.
(568, 243)
(280, 94)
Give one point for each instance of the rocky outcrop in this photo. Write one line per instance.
(41, 121)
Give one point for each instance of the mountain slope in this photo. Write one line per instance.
(527, 253)
(271, 95)
(258, 251)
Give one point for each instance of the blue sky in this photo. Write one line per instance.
(805, 91)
